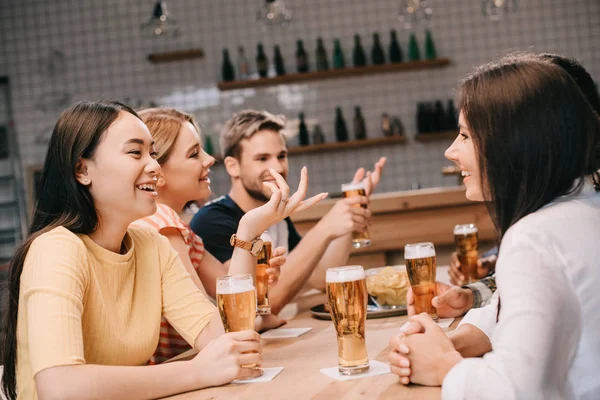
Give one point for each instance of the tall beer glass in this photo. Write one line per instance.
(359, 239)
(420, 266)
(465, 237)
(236, 299)
(347, 296)
(262, 278)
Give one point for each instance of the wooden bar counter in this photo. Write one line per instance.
(424, 215)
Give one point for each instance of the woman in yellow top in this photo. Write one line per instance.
(86, 293)
(184, 177)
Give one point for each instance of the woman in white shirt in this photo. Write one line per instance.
(528, 142)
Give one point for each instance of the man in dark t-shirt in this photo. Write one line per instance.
(253, 146)
(219, 219)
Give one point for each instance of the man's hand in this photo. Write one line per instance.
(484, 266)
(372, 178)
(345, 217)
(449, 301)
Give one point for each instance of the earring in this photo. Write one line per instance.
(86, 180)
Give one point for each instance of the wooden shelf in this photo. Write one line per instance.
(175, 56)
(334, 73)
(436, 136)
(354, 144)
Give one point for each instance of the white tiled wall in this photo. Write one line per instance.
(105, 57)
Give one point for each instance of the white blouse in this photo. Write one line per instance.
(546, 344)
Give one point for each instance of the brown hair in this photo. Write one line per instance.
(64, 202)
(535, 134)
(244, 125)
(164, 125)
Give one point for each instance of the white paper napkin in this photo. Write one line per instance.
(268, 375)
(445, 322)
(283, 333)
(376, 368)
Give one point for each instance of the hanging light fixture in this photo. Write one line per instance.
(160, 23)
(415, 12)
(273, 13)
(495, 10)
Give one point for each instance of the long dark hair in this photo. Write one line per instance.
(534, 133)
(63, 202)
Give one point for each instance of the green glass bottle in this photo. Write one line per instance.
(301, 57)
(341, 132)
(395, 49)
(360, 129)
(227, 72)
(208, 145)
(430, 52)
(262, 63)
(322, 62)
(414, 54)
(338, 55)
(279, 64)
(303, 131)
(377, 53)
(359, 58)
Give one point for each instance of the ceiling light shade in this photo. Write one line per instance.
(273, 13)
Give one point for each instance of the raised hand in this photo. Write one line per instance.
(275, 263)
(370, 178)
(280, 206)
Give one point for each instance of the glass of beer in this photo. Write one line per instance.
(236, 300)
(359, 239)
(262, 278)
(465, 237)
(420, 266)
(347, 297)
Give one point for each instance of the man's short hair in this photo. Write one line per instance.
(244, 125)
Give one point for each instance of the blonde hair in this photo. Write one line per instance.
(164, 125)
(244, 125)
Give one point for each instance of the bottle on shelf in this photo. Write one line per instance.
(397, 127)
(377, 53)
(318, 136)
(279, 64)
(386, 125)
(262, 63)
(451, 120)
(360, 129)
(321, 56)
(430, 53)
(208, 145)
(243, 66)
(338, 55)
(414, 54)
(359, 58)
(395, 49)
(439, 117)
(227, 72)
(301, 57)
(303, 131)
(421, 116)
(341, 132)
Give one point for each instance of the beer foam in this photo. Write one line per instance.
(233, 286)
(465, 229)
(419, 250)
(345, 274)
(353, 186)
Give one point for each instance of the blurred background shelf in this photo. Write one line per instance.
(334, 73)
(354, 144)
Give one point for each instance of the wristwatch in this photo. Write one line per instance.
(254, 246)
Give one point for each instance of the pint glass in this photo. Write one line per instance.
(262, 278)
(359, 239)
(420, 266)
(465, 237)
(347, 297)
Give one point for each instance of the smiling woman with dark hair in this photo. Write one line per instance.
(528, 142)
